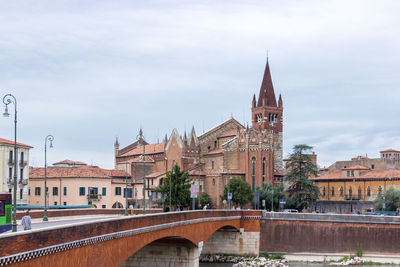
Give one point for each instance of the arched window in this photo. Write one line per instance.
(253, 174)
(368, 191)
(323, 191)
(333, 191)
(263, 170)
(379, 189)
(359, 192)
(341, 191)
(350, 193)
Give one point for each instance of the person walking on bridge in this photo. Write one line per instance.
(26, 221)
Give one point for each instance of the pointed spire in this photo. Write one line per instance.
(116, 142)
(254, 101)
(267, 94)
(140, 133)
(166, 138)
(193, 138)
(280, 102)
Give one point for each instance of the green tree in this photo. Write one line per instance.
(180, 188)
(267, 192)
(302, 191)
(204, 199)
(392, 199)
(241, 192)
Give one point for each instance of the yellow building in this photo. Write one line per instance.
(354, 188)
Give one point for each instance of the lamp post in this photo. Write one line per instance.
(141, 138)
(170, 192)
(8, 99)
(126, 189)
(50, 139)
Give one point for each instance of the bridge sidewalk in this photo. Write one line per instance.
(321, 257)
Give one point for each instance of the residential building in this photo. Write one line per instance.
(349, 186)
(226, 151)
(73, 183)
(7, 168)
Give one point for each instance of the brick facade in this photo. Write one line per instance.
(226, 151)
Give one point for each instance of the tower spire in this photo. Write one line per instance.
(267, 94)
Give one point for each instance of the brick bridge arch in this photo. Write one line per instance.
(111, 242)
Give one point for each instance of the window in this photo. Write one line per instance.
(161, 181)
(213, 181)
(323, 191)
(368, 191)
(212, 164)
(372, 166)
(341, 191)
(21, 191)
(103, 206)
(350, 192)
(348, 173)
(352, 173)
(10, 173)
(55, 191)
(21, 176)
(263, 170)
(22, 157)
(65, 191)
(37, 191)
(359, 192)
(10, 156)
(253, 174)
(118, 191)
(82, 191)
(215, 144)
(65, 203)
(104, 191)
(55, 203)
(333, 191)
(129, 192)
(209, 148)
(29, 191)
(152, 181)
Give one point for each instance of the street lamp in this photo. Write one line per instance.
(144, 169)
(8, 99)
(50, 139)
(126, 189)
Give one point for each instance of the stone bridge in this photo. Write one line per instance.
(178, 238)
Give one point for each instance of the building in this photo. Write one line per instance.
(349, 186)
(226, 151)
(7, 165)
(73, 183)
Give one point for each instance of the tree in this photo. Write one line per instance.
(266, 194)
(302, 191)
(392, 199)
(241, 192)
(180, 188)
(204, 199)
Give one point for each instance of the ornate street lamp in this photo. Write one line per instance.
(126, 189)
(50, 139)
(140, 137)
(8, 99)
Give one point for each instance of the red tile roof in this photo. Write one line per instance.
(368, 175)
(156, 175)
(149, 149)
(390, 150)
(9, 142)
(215, 151)
(228, 133)
(75, 172)
(146, 159)
(356, 167)
(196, 172)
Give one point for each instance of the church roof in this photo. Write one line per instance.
(267, 94)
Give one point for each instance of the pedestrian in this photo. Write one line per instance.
(178, 209)
(205, 207)
(26, 221)
(208, 206)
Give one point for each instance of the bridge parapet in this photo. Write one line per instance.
(36, 243)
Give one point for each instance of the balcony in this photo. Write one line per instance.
(23, 163)
(11, 161)
(94, 196)
(23, 181)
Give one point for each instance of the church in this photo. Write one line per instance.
(226, 151)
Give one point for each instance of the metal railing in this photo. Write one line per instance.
(94, 196)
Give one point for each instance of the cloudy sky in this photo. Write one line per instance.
(88, 71)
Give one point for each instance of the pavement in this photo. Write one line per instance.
(64, 221)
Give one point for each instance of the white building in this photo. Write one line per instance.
(7, 169)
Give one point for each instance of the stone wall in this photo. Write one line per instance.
(319, 233)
